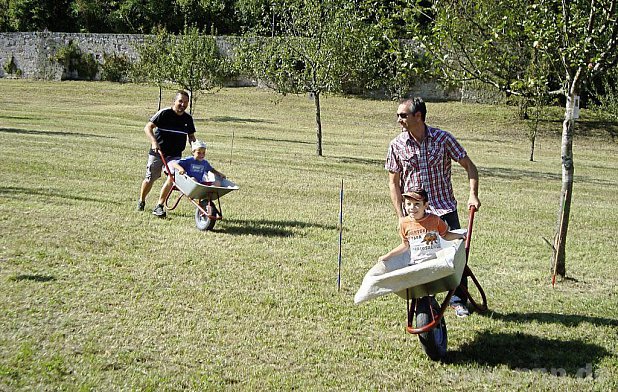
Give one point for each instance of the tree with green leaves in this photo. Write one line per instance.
(190, 61)
(153, 65)
(195, 63)
(494, 41)
(313, 47)
(36, 15)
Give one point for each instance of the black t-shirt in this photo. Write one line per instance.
(172, 130)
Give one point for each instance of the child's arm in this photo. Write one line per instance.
(397, 251)
(179, 169)
(450, 236)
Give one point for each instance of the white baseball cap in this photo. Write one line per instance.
(197, 144)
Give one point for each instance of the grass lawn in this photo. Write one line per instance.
(97, 296)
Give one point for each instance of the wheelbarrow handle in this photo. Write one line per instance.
(468, 272)
(469, 233)
(164, 161)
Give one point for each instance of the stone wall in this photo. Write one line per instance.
(33, 52)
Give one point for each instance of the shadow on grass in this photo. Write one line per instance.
(568, 320)
(14, 190)
(224, 119)
(50, 133)
(519, 351)
(33, 278)
(362, 161)
(518, 174)
(596, 127)
(267, 228)
(270, 139)
(21, 117)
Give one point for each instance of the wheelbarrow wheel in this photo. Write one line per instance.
(434, 342)
(202, 221)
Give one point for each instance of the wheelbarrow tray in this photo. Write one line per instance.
(433, 276)
(195, 190)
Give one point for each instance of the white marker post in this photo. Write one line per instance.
(232, 147)
(340, 234)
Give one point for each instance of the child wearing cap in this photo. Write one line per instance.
(196, 167)
(420, 230)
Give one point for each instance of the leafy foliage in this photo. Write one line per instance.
(152, 67)
(128, 16)
(195, 63)
(325, 46)
(318, 49)
(75, 63)
(10, 67)
(526, 47)
(115, 68)
(36, 15)
(190, 61)
(489, 41)
(606, 95)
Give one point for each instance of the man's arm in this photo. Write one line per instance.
(395, 192)
(149, 131)
(191, 137)
(473, 177)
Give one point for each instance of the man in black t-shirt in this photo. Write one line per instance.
(168, 131)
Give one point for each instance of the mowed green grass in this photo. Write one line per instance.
(97, 296)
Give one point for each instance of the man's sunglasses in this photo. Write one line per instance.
(403, 115)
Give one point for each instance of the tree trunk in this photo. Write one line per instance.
(318, 122)
(559, 257)
(160, 95)
(534, 128)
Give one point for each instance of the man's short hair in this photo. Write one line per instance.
(182, 93)
(416, 105)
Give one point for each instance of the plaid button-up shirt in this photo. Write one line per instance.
(427, 165)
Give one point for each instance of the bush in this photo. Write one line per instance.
(607, 97)
(11, 67)
(76, 65)
(115, 68)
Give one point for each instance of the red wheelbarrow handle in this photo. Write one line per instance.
(469, 233)
(468, 272)
(164, 161)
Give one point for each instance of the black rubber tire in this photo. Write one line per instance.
(435, 341)
(202, 222)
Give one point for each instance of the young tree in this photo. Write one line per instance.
(154, 66)
(320, 47)
(195, 62)
(190, 61)
(493, 41)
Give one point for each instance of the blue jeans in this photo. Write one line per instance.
(452, 220)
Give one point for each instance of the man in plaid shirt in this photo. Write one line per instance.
(420, 158)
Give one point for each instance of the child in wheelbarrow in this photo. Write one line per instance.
(420, 230)
(196, 167)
